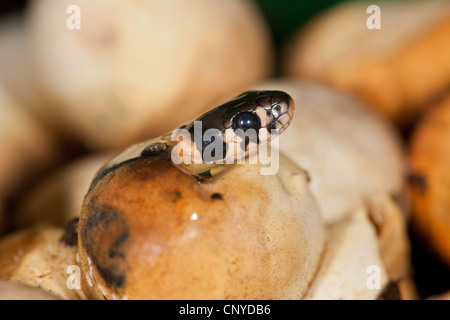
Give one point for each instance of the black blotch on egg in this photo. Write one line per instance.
(104, 235)
(70, 235)
(216, 196)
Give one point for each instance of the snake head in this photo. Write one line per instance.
(268, 113)
(224, 135)
(245, 122)
(271, 111)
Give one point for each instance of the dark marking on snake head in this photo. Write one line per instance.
(419, 181)
(271, 126)
(154, 149)
(104, 235)
(70, 235)
(216, 196)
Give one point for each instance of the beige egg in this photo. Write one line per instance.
(57, 199)
(150, 231)
(398, 69)
(26, 148)
(349, 152)
(136, 69)
(17, 74)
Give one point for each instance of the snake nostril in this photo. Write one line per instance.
(276, 111)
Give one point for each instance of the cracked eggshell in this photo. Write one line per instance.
(36, 257)
(366, 256)
(350, 258)
(16, 291)
(429, 181)
(137, 69)
(391, 228)
(149, 231)
(348, 151)
(390, 67)
(58, 198)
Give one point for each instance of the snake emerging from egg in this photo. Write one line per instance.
(264, 114)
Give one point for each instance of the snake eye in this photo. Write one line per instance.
(246, 120)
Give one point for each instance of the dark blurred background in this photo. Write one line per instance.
(8, 6)
(284, 17)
